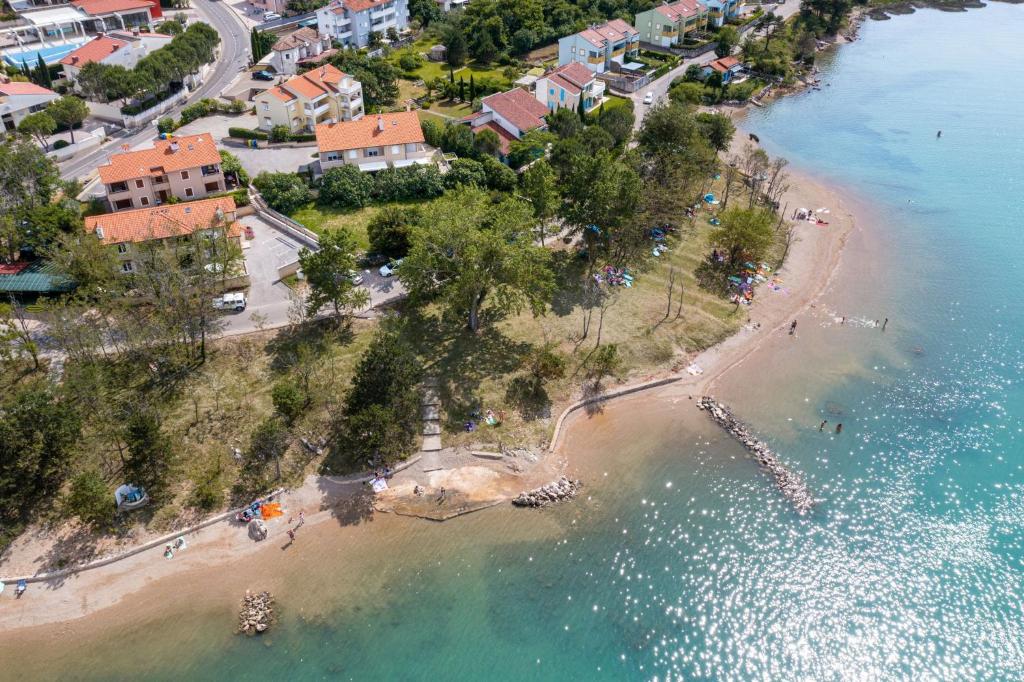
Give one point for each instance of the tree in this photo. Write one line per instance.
(171, 27)
(389, 229)
(475, 254)
(728, 38)
(39, 125)
(458, 139)
(523, 41)
(232, 165)
(346, 187)
(529, 148)
(718, 130)
(425, 11)
(269, 442)
(604, 361)
(381, 417)
(289, 400)
(497, 175)
(540, 187)
(89, 499)
(150, 455)
(462, 88)
(487, 143)
(15, 337)
(455, 45)
(687, 93)
(43, 74)
(484, 48)
(693, 74)
(41, 225)
(745, 234)
(285, 192)
(564, 123)
(68, 112)
(328, 272)
(27, 181)
(617, 122)
(87, 262)
(472, 88)
(545, 363)
(465, 172)
(392, 34)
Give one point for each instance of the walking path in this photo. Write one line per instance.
(431, 407)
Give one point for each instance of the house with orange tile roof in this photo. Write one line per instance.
(606, 47)
(113, 49)
(350, 22)
(304, 47)
(321, 95)
(18, 100)
(126, 231)
(729, 67)
(510, 114)
(667, 25)
(374, 143)
(106, 15)
(568, 85)
(185, 168)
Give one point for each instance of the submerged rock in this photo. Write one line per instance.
(257, 613)
(558, 491)
(791, 484)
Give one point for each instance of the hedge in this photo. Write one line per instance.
(246, 134)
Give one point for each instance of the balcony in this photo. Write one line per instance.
(211, 170)
(316, 111)
(117, 187)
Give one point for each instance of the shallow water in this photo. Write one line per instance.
(682, 560)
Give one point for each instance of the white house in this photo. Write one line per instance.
(350, 22)
(299, 48)
(600, 48)
(18, 100)
(564, 87)
(510, 115)
(120, 49)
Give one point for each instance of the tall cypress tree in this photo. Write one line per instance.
(43, 78)
(462, 88)
(472, 88)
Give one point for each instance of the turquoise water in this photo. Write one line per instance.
(684, 562)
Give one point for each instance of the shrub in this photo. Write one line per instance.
(409, 62)
(498, 176)
(389, 230)
(241, 197)
(247, 134)
(289, 400)
(465, 172)
(166, 124)
(280, 134)
(403, 184)
(346, 187)
(237, 106)
(60, 144)
(89, 499)
(208, 493)
(284, 192)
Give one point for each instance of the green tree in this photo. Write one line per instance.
(530, 147)
(458, 139)
(87, 262)
(170, 27)
(687, 93)
(475, 253)
(728, 38)
(523, 41)
(259, 44)
(39, 125)
(540, 185)
(28, 180)
(392, 34)
(269, 441)
(601, 196)
(617, 122)
(43, 74)
(694, 73)
(328, 271)
(15, 338)
(346, 187)
(150, 455)
(718, 130)
(545, 363)
(375, 39)
(565, 123)
(90, 499)
(604, 361)
(232, 165)
(68, 112)
(456, 49)
(285, 192)
(462, 88)
(389, 229)
(745, 234)
(289, 400)
(425, 11)
(487, 143)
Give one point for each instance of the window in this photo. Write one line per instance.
(184, 175)
(118, 187)
(561, 95)
(189, 192)
(160, 179)
(332, 156)
(127, 266)
(144, 201)
(373, 151)
(140, 184)
(266, 106)
(122, 248)
(551, 92)
(396, 149)
(212, 187)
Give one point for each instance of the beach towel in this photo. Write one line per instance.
(271, 510)
(695, 369)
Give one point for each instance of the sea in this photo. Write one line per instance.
(681, 560)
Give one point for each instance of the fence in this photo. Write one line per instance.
(624, 84)
(283, 222)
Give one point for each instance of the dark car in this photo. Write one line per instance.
(263, 76)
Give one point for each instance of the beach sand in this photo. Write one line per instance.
(141, 582)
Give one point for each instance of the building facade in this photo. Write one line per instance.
(323, 95)
(668, 24)
(302, 47)
(126, 231)
(18, 100)
(184, 168)
(374, 143)
(601, 48)
(350, 22)
(113, 49)
(510, 115)
(567, 86)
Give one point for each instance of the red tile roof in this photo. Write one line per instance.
(192, 151)
(93, 51)
(161, 222)
(370, 131)
(518, 107)
(356, 5)
(95, 7)
(678, 10)
(312, 84)
(724, 64)
(24, 88)
(575, 73)
(298, 38)
(504, 137)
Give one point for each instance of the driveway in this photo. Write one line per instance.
(278, 159)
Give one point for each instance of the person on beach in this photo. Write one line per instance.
(792, 328)
(821, 426)
(839, 428)
(885, 323)
(291, 536)
(302, 518)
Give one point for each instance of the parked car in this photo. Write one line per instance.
(389, 269)
(649, 97)
(263, 76)
(355, 277)
(271, 16)
(233, 301)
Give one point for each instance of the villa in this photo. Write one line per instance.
(374, 143)
(113, 49)
(183, 168)
(567, 85)
(18, 100)
(607, 47)
(510, 115)
(303, 47)
(729, 67)
(323, 95)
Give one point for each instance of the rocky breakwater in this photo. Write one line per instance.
(791, 484)
(257, 613)
(558, 491)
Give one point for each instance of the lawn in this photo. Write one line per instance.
(322, 219)
(451, 108)
(430, 70)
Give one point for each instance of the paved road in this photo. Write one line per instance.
(234, 57)
(660, 86)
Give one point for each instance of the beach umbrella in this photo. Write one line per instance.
(709, 197)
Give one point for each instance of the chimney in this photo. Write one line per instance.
(174, 147)
(380, 123)
(74, 59)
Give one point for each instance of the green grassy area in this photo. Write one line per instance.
(322, 219)
(452, 108)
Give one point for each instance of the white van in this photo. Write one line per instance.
(233, 301)
(271, 16)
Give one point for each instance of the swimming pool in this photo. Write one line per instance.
(50, 55)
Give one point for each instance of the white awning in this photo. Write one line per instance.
(403, 163)
(373, 166)
(58, 15)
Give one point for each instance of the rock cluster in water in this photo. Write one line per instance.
(558, 491)
(257, 613)
(791, 484)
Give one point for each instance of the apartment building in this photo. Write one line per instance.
(668, 24)
(304, 47)
(125, 231)
(603, 48)
(374, 143)
(350, 22)
(568, 85)
(185, 168)
(323, 95)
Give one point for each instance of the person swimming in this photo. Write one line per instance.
(938, 134)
